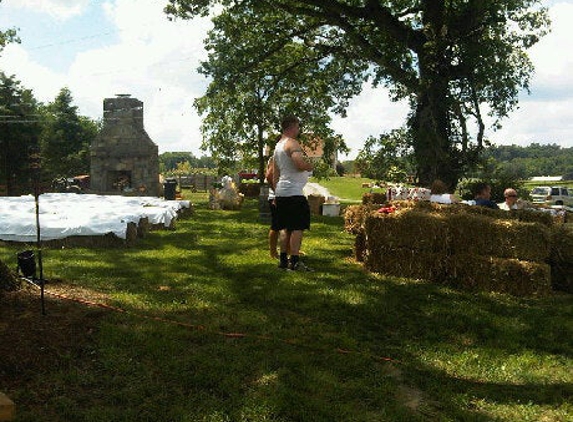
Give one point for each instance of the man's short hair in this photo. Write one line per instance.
(480, 187)
(510, 192)
(289, 121)
(438, 187)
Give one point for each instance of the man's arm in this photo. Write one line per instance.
(298, 156)
(270, 175)
(276, 174)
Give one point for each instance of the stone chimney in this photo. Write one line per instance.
(124, 159)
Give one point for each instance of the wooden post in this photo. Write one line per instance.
(7, 408)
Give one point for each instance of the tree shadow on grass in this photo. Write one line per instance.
(290, 346)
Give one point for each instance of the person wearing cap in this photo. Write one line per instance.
(510, 203)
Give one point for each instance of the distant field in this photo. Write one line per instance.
(530, 184)
(348, 189)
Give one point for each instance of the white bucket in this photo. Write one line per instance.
(331, 210)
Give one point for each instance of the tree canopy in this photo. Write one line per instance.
(19, 130)
(66, 138)
(250, 94)
(7, 36)
(386, 158)
(452, 59)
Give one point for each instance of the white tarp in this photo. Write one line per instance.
(63, 215)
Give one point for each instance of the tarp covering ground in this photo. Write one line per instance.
(63, 215)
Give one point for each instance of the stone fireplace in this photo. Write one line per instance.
(124, 159)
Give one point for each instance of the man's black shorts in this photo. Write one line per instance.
(274, 215)
(293, 213)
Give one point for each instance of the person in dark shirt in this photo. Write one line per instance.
(482, 192)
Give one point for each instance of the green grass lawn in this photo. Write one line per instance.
(213, 331)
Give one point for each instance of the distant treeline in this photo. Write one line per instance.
(514, 161)
(170, 161)
(532, 160)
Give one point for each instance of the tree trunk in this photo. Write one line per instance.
(430, 120)
(261, 154)
(432, 148)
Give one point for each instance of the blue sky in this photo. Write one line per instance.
(106, 47)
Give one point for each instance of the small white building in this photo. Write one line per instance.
(547, 178)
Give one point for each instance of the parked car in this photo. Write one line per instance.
(555, 195)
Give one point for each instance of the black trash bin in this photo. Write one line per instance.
(27, 263)
(169, 187)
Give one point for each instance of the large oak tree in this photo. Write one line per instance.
(452, 59)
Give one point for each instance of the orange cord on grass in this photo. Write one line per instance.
(236, 335)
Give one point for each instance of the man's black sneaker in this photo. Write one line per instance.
(283, 265)
(299, 266)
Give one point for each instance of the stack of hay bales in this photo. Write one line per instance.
(498, 255)
(465, 246)
(354, 218)
(406, 243)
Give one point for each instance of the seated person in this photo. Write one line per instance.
(439, 193)
(482, 196)
(510, 203)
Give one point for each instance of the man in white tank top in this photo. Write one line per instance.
(291, 170)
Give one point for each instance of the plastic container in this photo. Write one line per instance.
(27, 263)
(169, 187)
(331, 210)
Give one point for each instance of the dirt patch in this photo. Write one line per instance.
(32, 343)
(408, 396)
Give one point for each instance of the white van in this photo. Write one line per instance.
(555, 195)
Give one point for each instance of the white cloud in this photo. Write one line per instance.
(369, 114)
(154, 61)
(16, 61)
(546, 115)
(59, 9)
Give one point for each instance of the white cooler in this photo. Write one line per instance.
(331, 210)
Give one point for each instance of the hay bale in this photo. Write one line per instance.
(410, 229)
(108, 240)
(562, 245)
(404, 262)
(131, 233)
(481, 235)
(8, 279)
(360, 246)
(513, 276)
(354, 216)
(425, 206)
(376, 198)
(533, 216)
(143, 227)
